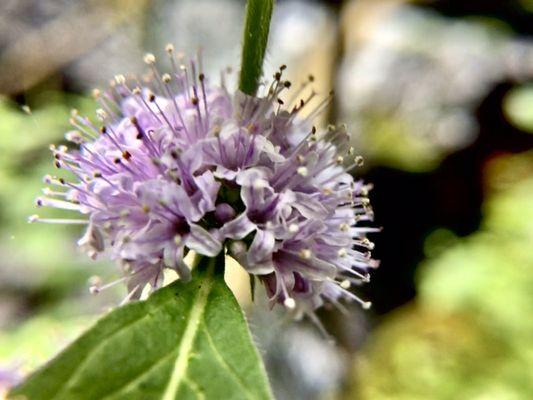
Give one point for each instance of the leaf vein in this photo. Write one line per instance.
(132, 382)
(76, 371)
(224, 363)
(189, 335)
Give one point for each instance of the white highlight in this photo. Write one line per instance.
(305, 253)
(293, 228)
(303, 171)
(149, 58)
(342, 253)
(345, 284)
(290, 303)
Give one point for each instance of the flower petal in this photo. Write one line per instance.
(203, 242)
(262, 247)
(237, 228)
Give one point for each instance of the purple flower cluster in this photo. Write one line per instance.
(177, 164)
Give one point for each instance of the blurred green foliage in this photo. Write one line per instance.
(518, 106)
(468, 336)
(34, 255)
(41, 271)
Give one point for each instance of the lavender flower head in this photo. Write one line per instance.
(176, 164)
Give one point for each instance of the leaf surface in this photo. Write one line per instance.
(187, 341)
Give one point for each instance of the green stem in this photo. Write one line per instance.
(255, 38)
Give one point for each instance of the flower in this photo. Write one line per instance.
(178, 164)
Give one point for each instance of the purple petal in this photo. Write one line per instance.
(262, 247)
(238, 228)
(203, 242)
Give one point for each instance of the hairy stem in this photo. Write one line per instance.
(255, 38)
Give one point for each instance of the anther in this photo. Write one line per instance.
(345, 284)
(120, 79)
(169, 48)
(342, 253)
(305, 254)
(101, 114)
(367, 243)
(293, 228)
(95, 281)
(94, 289)
(166, 78)
(359, 161)
(302, 171)
(149, 58)
(289, 303)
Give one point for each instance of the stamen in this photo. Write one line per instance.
(36, 218)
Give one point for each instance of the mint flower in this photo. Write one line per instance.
(176, 164)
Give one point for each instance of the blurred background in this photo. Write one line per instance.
(438, 96)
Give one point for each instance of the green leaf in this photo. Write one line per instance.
(187, 341)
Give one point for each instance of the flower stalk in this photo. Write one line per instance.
(255, 38)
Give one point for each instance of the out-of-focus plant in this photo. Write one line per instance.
(468, 335)
(411, 79)
(23, 134)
